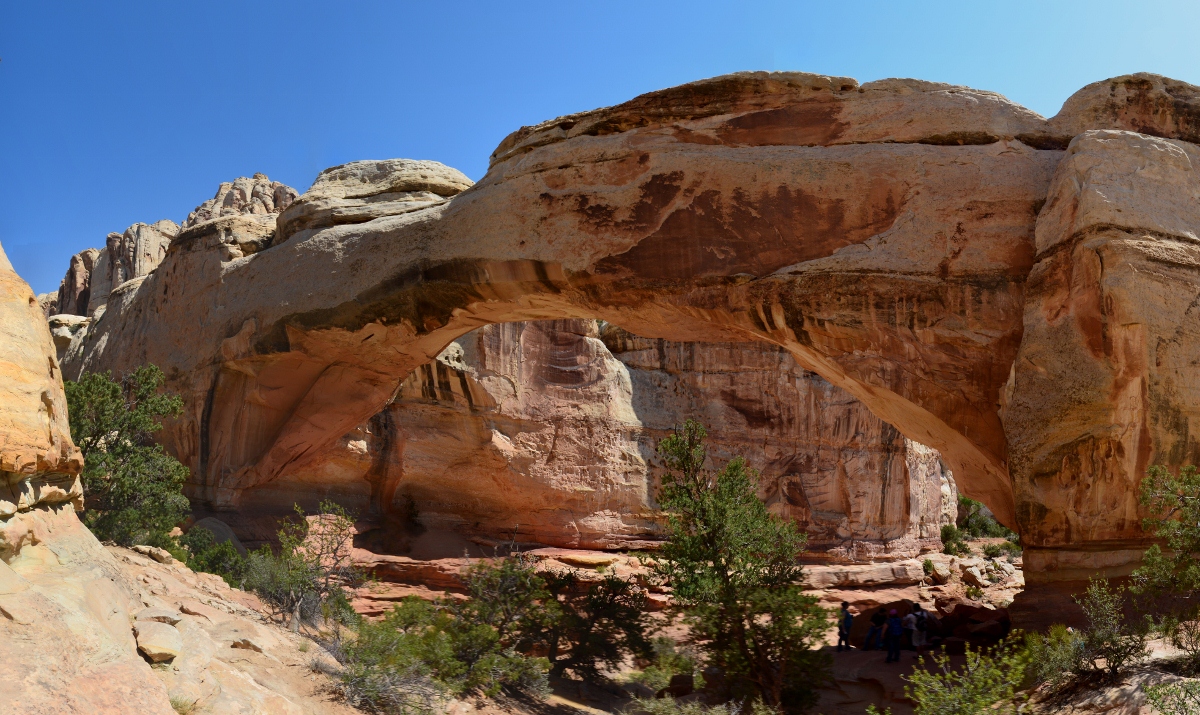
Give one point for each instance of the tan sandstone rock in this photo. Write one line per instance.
(553, 427)
(75, 291)
(881, 234)
(38, 461)
(158, 641)
(365, 190)
(132, 254)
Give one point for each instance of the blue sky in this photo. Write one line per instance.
(113, 113)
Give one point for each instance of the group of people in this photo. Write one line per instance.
(888, 629)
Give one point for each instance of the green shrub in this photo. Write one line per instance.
(666, 662)
(983, 683)
(308, 576)
(1175, 698)
(668, 706)
(422, 653)
(927, 567)
(732, 569)
(976, 521)
(953, 542)
(974, 593)
(1056, 657)
(583, 629)
(1012, 546)
(133, 489)
(1172, 578)
(203, 553)
(1110, 644)
(993, 551)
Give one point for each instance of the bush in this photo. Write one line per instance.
(993, 551)
(203, 553)
(927, 567)
(733, 573)
(1175, 698)
(420, 653)
(953, 541)
(974, 592)
(976, 521)
(308, 575)
(1173, 578)
(133, 489)
(1056, 657)
(1012, 545)
(982, 684)
(668, 706)
(598, 627)
(666, 662)
(1108, 639)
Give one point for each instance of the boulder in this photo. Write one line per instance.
(157, 641)
(941, 573)
(972, 576)
(160, 555)
(63, 329)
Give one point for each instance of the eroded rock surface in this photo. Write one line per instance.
(39, 464)
(1106, 383)
(546, 431)
(882, 234)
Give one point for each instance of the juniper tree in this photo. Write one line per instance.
(733, 574)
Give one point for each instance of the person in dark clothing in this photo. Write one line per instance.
(844, 624)
(895, 630)
(875, 635)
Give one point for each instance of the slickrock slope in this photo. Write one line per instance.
(882, 234)
(69, 610)
(64, 628)
(546, 432)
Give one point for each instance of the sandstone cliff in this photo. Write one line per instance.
(885, 235)
(545, 432)
(72, 617)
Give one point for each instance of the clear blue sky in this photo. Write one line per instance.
(119, 112)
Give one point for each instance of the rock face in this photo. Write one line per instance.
(241, 218)
(364, 190)
(546, 432)
(64, 624)
(76, 289)
(256, 196)
(126, 256)
(38, 462)
(882, 234)
(1105, 383)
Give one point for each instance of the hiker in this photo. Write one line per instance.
(895, 630)
(875, 634)
(844, 624)
(920, 637)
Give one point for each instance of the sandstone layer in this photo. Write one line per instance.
(882, 234)
(545, 432)
(39, 464)
(1106, 383)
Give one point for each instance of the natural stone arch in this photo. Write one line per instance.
(882, 234)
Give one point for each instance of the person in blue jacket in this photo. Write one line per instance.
(892, 634)
(844, 623)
